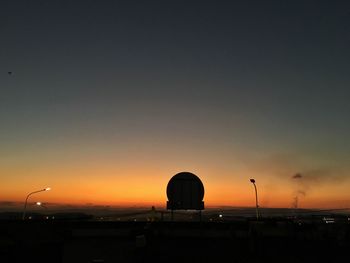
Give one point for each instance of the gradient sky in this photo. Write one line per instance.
(107, 100)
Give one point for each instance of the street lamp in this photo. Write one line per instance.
(256, 199)
(25, 204)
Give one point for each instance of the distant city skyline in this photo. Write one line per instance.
(106, 101)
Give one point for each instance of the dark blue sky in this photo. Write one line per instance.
(277, 65)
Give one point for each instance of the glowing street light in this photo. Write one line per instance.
(41, 204)
(25, 204)
(256, 199)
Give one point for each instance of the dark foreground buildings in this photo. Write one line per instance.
(240, 241)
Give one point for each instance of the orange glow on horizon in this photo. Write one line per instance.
(125, 185)
(143, 191)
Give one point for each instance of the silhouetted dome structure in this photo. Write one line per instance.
(185, 191)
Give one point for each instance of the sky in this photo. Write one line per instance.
(104, 101)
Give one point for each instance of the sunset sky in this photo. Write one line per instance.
(104, 101)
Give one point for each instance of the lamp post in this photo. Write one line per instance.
(25, 204)
(256, 199)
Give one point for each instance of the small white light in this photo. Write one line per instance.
(220, 215)
(38, 203)
(48, 189)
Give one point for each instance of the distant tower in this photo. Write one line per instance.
(185, 191)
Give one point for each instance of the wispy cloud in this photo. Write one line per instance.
(297, 176)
